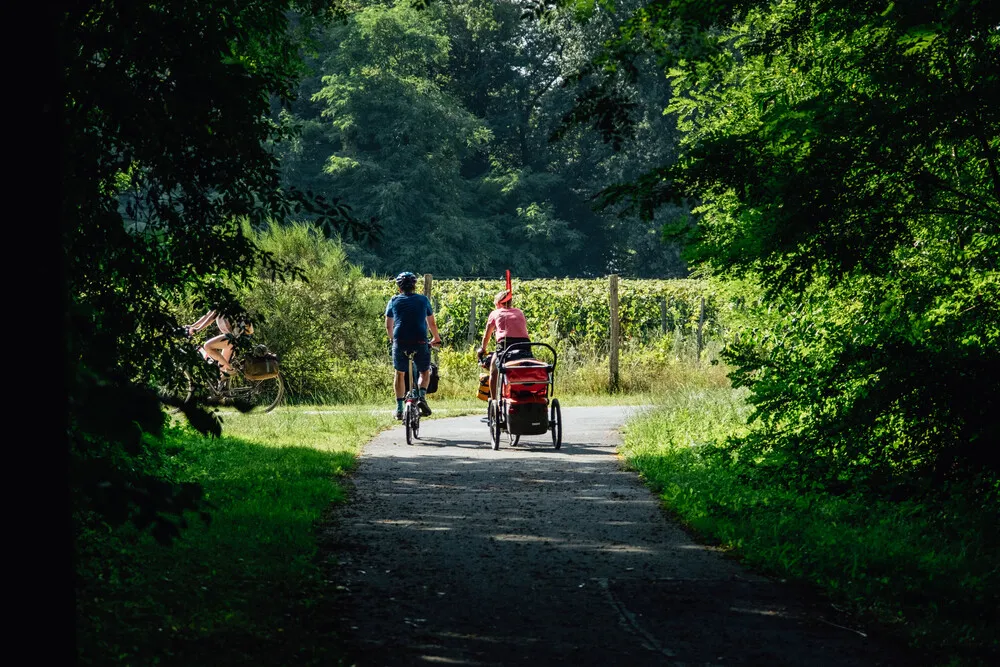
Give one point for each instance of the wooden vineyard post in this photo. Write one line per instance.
(472, 322)
(615, 332)
(701, 323)
(427, 293)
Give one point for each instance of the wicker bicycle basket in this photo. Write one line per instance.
(261, 365)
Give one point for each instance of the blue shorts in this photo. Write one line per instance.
(422, 358)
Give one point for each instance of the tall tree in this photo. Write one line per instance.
(400, 138)
(166, 118)
(510, 199)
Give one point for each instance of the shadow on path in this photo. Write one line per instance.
(452, 553)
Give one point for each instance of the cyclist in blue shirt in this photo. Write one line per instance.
(408, 316)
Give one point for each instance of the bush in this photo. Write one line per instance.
(326, 328)
(576, 312)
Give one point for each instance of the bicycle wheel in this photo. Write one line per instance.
(408, 422)
(265, 394)
(495, 428)
(184, 395)
(556, 419)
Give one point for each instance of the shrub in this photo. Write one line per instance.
(326, 328)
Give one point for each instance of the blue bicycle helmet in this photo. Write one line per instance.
(406, 280)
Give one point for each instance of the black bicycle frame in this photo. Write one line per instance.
(413, 373)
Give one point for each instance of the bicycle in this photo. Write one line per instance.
(411, 402)
(411, 407)
(256, 382)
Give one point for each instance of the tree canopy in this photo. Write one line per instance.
(844, 154)
(441, 120)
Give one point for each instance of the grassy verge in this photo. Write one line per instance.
(584, 375)
(928, 570)
(449, 407)
(457, 407)
(244, 588)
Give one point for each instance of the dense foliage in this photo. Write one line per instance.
(576, 312)
(166, 125)
(437, 118)
(326, 323)
(326, 327)
(845, 153)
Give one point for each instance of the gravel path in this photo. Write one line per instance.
(452, 553)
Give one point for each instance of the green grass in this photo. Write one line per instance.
(927, 570)
(449, 407)
(245, 588)
(457, 407)
(580, 379)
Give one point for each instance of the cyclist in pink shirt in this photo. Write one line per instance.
(510, 327)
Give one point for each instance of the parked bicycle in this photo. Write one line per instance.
(256, 382)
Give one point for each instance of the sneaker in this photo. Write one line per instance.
(399, 415)
(425, 410)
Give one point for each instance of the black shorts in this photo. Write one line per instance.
(520, 353)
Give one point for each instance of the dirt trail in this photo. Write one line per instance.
(453, 553)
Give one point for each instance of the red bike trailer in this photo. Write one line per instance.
(524, 405)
